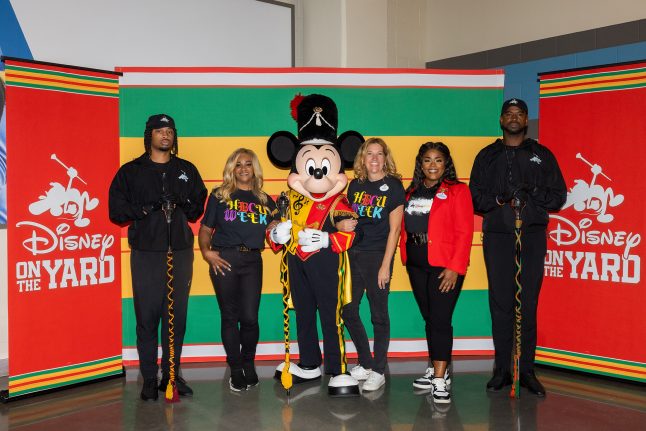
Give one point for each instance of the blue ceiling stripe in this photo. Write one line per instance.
(12, 39)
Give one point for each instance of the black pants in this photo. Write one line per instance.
(436, 307)
(151, 305)
(238, 295)
(499, 252)
(314, 285)
(364, 266)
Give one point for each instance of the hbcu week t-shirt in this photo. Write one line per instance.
(373, 201)
(418, 209)
(242, 220)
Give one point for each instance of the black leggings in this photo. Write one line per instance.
(365, 267)
(436, 307)
(238, 295)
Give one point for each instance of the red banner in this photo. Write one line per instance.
(591, 312)
(63, 253)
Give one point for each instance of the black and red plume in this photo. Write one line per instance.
(294, 105)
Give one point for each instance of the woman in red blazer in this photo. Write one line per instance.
(435, 244)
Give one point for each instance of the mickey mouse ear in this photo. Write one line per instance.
(349, 143)
(281, 148)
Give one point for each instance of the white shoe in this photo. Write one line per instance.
(424, 382)
(374, 381)
(360, 373)
(343, 385)
(441, 394)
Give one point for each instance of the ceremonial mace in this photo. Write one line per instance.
(285, 378)
(518, 206)
(172, 395)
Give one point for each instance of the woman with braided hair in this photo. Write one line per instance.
(435, 244)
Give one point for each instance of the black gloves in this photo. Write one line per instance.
(147, 209)
(170, 198)
(520, 192)
(176, 200)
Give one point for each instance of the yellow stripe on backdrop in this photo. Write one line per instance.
(210, 153)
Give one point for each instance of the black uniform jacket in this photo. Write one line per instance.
(141, 182)
(498, 168)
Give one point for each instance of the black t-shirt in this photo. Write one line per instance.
(242, 220)
(418, 209)
(373, 201)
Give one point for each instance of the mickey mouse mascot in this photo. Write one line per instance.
(316, 269)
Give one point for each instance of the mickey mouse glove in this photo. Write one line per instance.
(313, 239)
(282, 232)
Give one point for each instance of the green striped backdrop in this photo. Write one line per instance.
(215, 117)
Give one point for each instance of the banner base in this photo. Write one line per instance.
(6, 398)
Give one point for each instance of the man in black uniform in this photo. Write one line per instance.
(515, 171)
(157, 179)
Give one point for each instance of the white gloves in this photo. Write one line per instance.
(309, 239)
(313, 239)
(282, 232)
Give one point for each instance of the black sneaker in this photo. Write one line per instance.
(183, 389)
(149, 390)
(250, 375)
(237, 381)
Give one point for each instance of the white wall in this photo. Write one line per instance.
(367, 33)
(323, 33)
(350, 33)
(105, 34)
(457, 27)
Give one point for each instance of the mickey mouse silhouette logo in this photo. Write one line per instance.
(65, 202)
(592, 198)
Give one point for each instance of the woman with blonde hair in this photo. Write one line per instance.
(231, 238)
(377, 196)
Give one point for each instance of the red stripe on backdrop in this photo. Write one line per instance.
(61, 376)
(582, 73)
(296, 70)
(587, 83)
(64, 81)
(62, 68)
(299, 85)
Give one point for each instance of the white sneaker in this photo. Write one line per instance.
(424, 382)
(374, 381)
(441, 394)
(360, 373)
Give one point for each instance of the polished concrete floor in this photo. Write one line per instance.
(574, 402)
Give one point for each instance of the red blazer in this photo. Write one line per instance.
(450, 228)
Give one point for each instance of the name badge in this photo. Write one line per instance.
(441, 195)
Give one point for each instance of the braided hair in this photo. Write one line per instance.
(148, 133)
(450, 176)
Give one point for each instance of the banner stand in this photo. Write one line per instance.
(590, 315)
(63, 253)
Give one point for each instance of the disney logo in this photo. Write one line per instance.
(567, 232)
(43, 240)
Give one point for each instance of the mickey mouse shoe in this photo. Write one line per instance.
(300, 373)
(343, 385)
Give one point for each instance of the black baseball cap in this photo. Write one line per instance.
(159, 121)
(514, 102)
